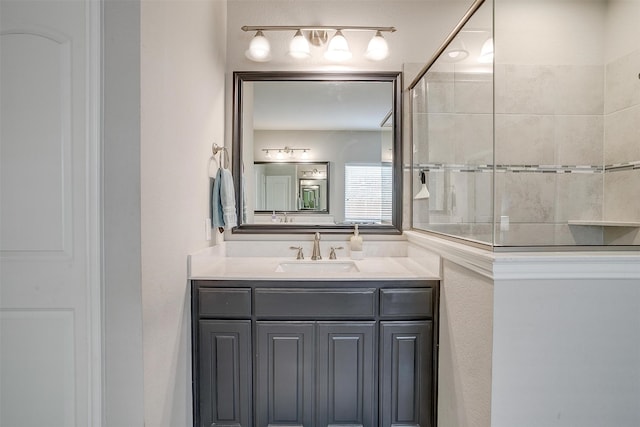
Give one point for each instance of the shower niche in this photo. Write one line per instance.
(526, 126)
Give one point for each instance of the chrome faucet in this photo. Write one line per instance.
(315, 255)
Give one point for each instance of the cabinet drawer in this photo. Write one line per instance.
(224, 303)
(315, 303)
(405, 303)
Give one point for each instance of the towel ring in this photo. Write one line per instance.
(213, 172)
(215, 148)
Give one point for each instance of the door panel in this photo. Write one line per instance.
(405, 373)
(225, 372)
(278, 193)
(346, 374)
(49, 219)
(285, 373)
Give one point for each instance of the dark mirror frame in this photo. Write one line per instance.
(239, 77)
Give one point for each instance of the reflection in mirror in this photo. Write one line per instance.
(291, 187)
(294, 130)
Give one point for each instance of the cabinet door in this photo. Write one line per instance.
(346, 374)
(406, 373)
(285, 374)
(225, 373)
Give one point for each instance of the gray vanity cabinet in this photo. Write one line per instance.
(314, 354)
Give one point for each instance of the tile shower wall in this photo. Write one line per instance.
(622, 146)
(548, 150)
(574, 132)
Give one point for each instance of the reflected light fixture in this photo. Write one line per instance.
(486, 52)
(337, 49)
(286, 152)
(456, 52)
(259, 48)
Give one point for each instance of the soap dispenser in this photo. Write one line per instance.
(356, 245)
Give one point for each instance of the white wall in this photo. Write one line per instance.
(182, 68)
(122, 305)
(566, 353)
(466, 337)
(553, 336)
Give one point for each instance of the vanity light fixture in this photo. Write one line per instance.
(338, 48)
(315, 173)
(259, 48)
(286, 152)
(378, 49)
(300, 46)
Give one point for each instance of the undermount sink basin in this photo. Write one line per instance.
(317, 267)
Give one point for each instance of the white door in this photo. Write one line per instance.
(278, 193)
(49, 214)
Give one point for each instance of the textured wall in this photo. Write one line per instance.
(182, 68)
(466, 337)
(565, 353)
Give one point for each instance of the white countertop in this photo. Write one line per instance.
(212, 263)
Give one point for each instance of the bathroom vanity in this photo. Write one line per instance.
(284, 351)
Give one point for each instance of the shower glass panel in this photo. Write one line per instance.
(452, 111)
(538, 146)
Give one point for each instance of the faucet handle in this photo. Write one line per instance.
(332, 254)
(300, 255)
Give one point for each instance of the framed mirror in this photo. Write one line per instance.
(291, 187)
(294, 130)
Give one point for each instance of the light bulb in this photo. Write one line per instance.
(338, 49)
(456, 52)
(486, 52)
(259, 48)
(299, 46)
(268, 155)
(304, 155)
(377, 49)
(279, 156)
